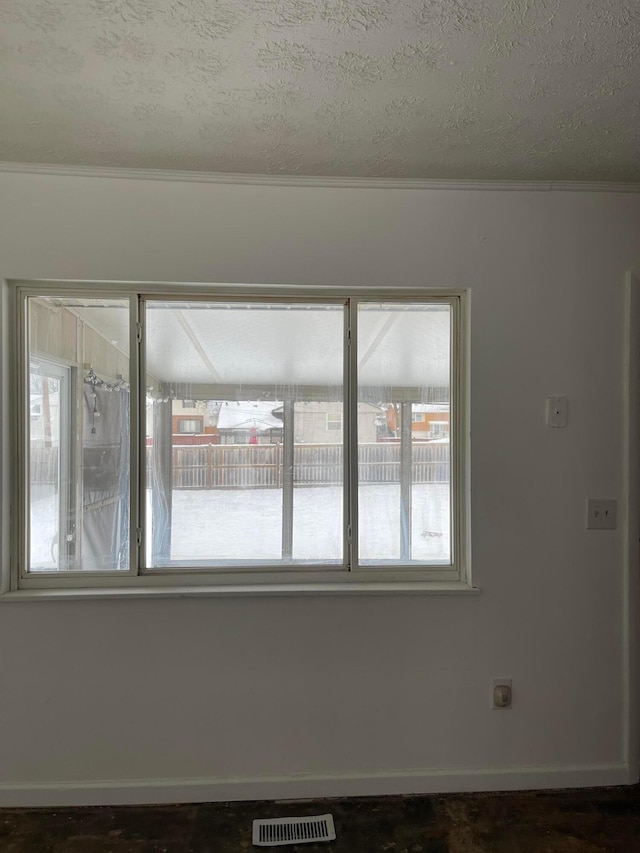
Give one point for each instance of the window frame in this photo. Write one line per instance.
(64, 374)
(273, 578)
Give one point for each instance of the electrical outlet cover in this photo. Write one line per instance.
(501, 682)
(602, 514)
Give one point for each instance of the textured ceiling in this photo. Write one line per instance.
(464, 89)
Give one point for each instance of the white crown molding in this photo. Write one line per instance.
(313, 181)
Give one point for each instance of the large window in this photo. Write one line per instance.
(310, 455)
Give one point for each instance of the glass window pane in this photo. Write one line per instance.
(78, 441)
(404, 488)
(241, 468)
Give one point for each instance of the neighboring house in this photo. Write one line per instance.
(248, 422)
(261, 421)
(430, 420)
(193, 417)
(322, 423)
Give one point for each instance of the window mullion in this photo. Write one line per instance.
(287, 475)
(457, 431)
(351, 434)
(21, 397)
(137, 409)
(405, 481)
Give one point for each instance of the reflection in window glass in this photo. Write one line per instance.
(78, 435)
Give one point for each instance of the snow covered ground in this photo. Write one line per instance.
(44, 527)
(236, 524)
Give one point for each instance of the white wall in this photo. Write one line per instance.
(172, 699)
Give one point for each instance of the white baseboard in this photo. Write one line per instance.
(301, 786)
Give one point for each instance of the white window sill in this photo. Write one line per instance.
(226, 591)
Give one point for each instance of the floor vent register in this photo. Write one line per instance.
(293, 830)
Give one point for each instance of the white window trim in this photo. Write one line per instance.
(243, 580)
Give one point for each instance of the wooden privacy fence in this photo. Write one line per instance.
(236, 466)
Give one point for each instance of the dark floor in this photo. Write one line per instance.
(583, 821)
